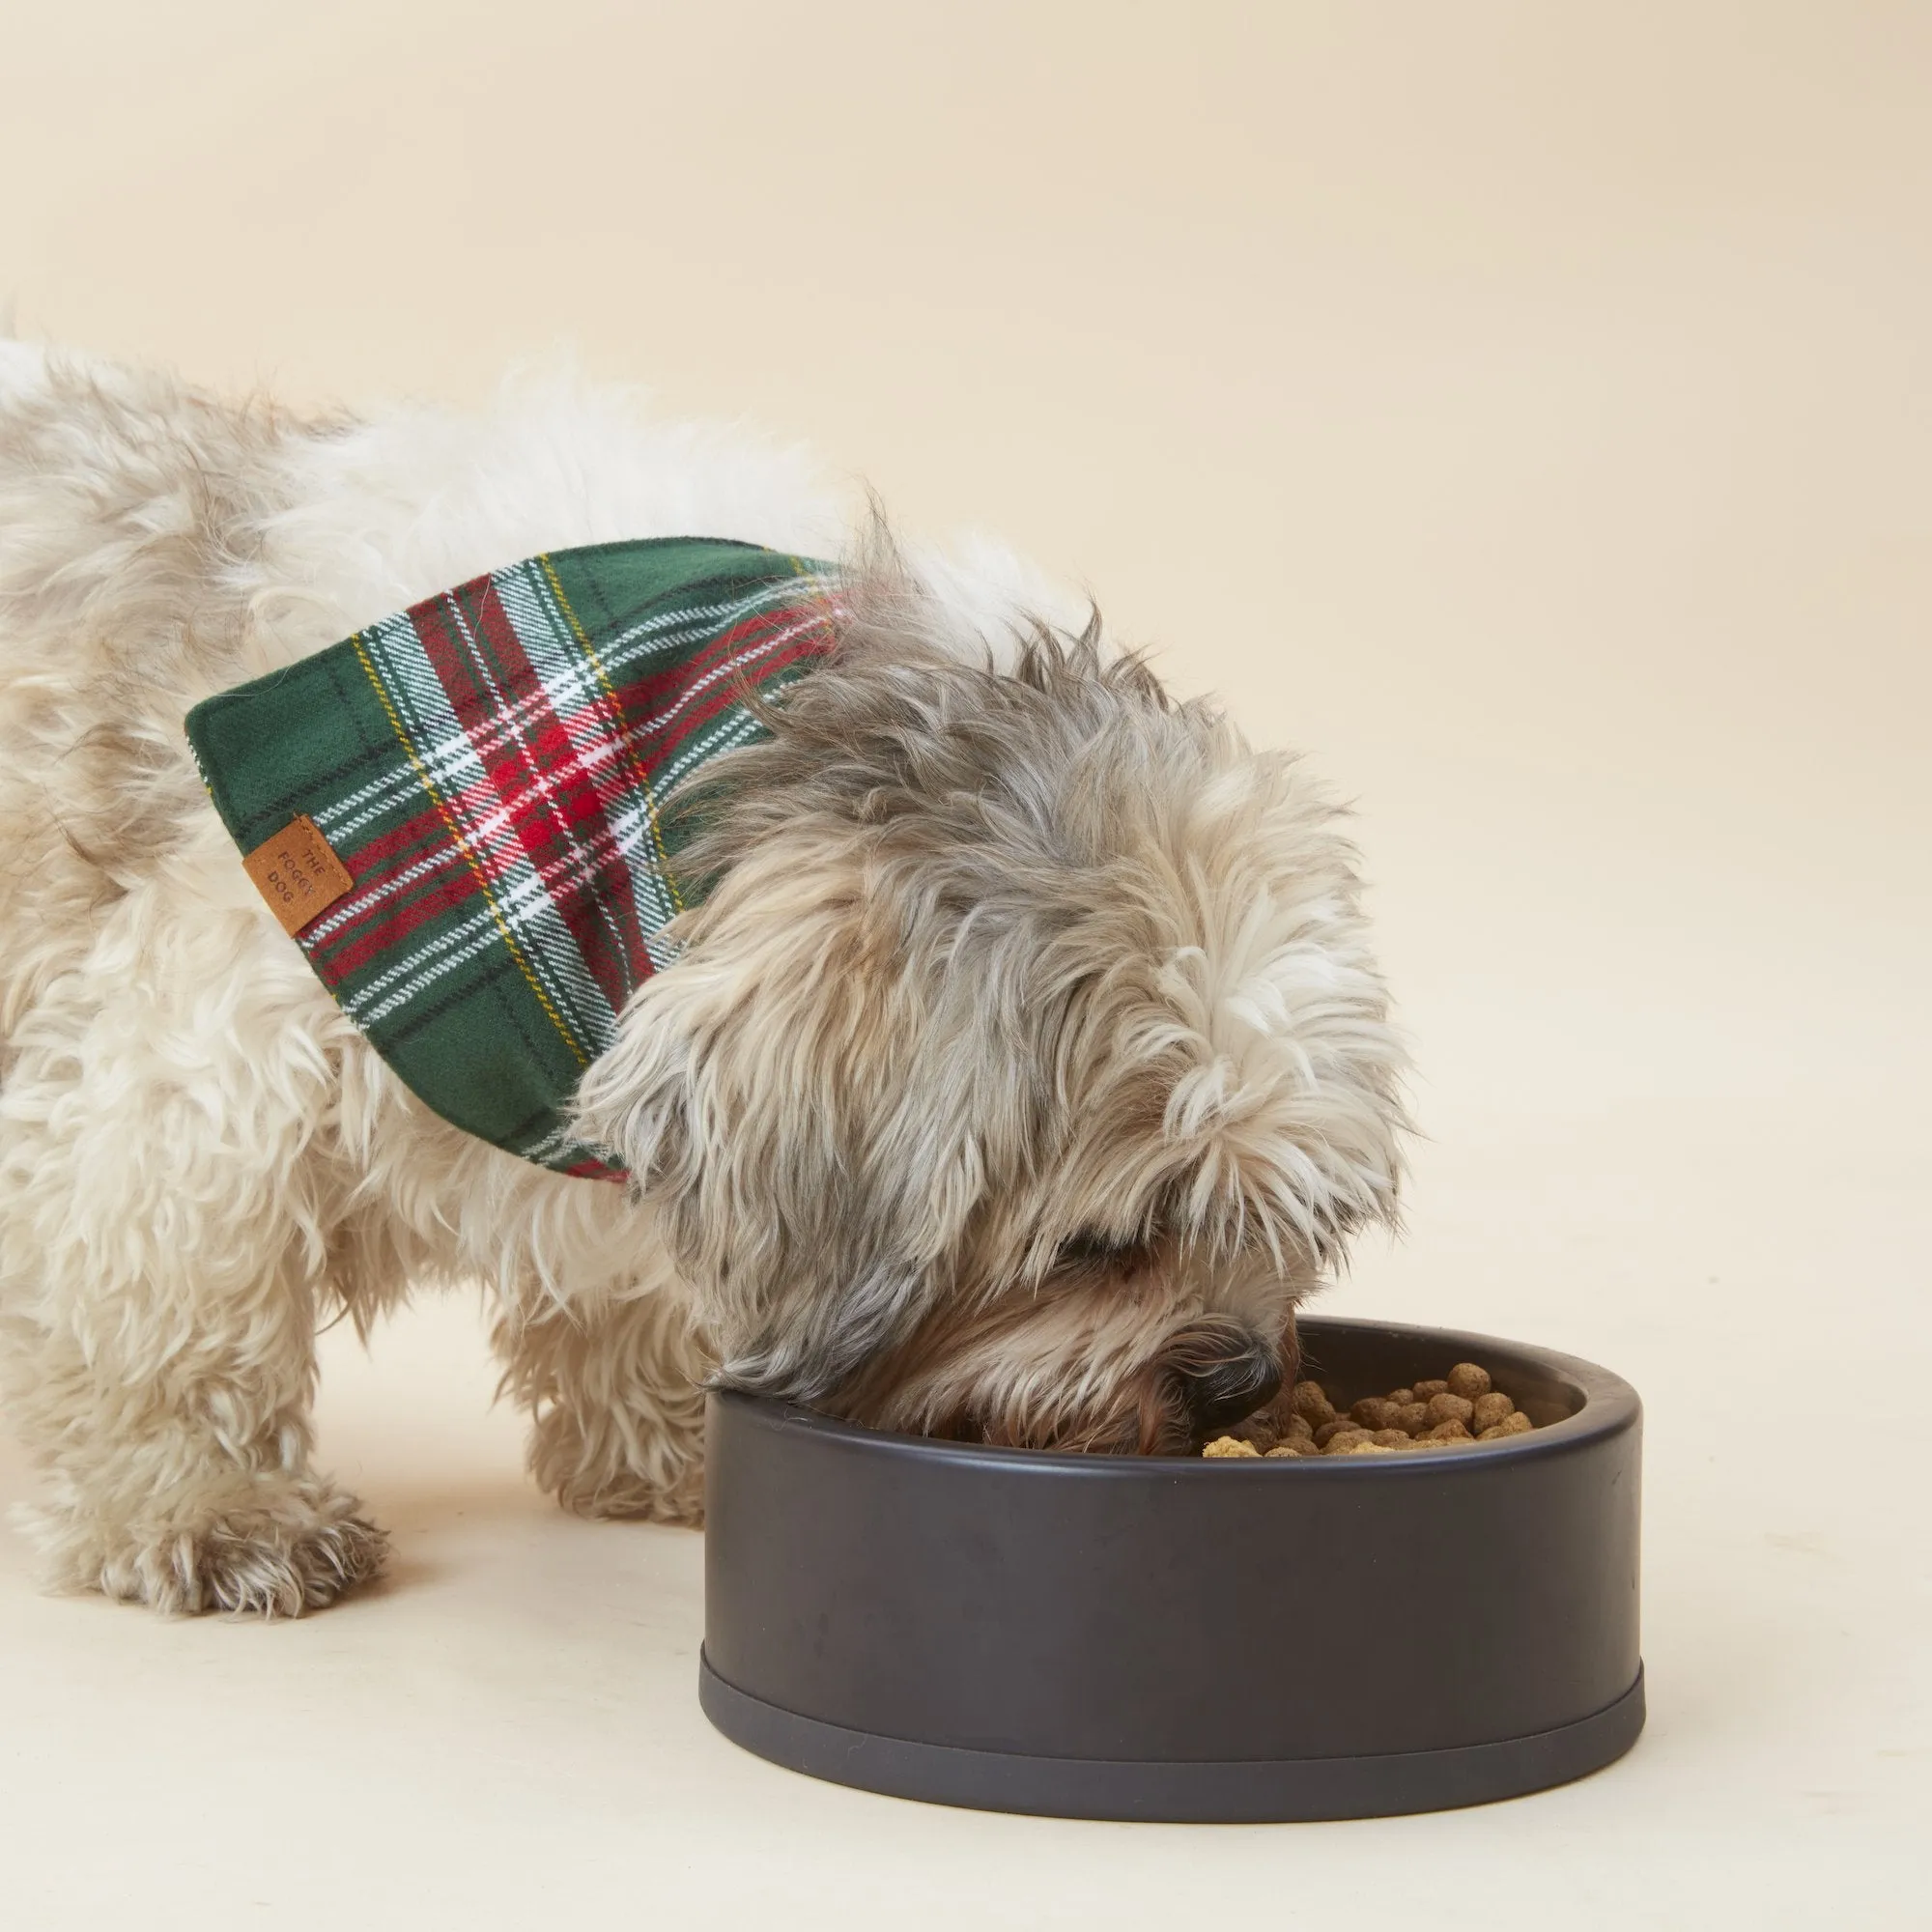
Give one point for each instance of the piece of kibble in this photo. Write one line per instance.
(1402, 1398)
(1297, 1429)
(1361, 1445)
(1331, 1434)
(1261, 1429)
(1490, 1409)
(1391, 1438)
(1469, 1381)
(1309, 1400)
(1375, 1411)
(1444, 1440)
(1425, 1390)
(1226, 1446)
(1450, 1430)
(1414, 1416)
(1291, 1448)
(1447, 1408)
(1515, 1423)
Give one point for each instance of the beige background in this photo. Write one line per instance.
(1524, 408)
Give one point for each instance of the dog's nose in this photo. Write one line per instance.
(1221, 1396)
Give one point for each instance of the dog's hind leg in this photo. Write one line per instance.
(163, 1231)
(616, 1401)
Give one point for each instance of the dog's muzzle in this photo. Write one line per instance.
(1223, 1395)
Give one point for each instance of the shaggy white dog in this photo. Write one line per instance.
(1022, 1070)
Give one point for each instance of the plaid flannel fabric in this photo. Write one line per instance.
(491, 768)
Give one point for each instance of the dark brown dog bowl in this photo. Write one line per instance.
(1131, 1637)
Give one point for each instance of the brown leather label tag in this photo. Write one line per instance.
(298, 873)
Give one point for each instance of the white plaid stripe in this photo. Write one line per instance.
(535, 602)
(413, 687)
(583, 723)
(345, 816)
(526, 904)
(736, 727)
(480, 929)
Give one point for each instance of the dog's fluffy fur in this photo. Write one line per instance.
(1024, 1068)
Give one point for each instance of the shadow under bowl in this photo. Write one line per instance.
(1165, 1638)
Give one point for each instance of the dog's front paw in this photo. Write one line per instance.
(298, 1556)
(275, 1554)
(607, 1472)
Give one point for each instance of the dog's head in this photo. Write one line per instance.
(1026, 1064)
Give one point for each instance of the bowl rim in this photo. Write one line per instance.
(1610, 1404)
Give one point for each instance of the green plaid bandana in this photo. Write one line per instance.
(459, 812)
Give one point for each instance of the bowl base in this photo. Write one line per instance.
(1268, 1791)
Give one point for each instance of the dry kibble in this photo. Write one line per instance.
(1514, 1424)
(1310, 1401)
(1329, 1434)
(1262, 1430)
(1490, 1409)
(1454, 1412)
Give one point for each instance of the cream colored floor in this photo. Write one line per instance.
(1527, 408)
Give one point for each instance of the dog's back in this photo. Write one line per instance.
(158, 545)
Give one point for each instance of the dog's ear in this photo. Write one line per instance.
(636, 1098)
(765, 1095)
